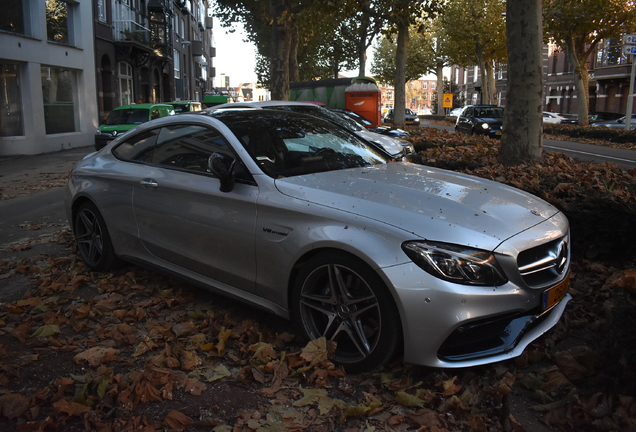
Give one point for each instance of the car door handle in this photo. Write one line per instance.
(149, 183)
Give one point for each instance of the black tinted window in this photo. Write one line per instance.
(138, 148)
(127, 116)
(189, 147)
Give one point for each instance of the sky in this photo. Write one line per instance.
(234, 58)
(237, 59)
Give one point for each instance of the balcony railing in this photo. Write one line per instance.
(159, 5)
(131, 31)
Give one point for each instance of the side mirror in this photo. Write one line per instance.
(222, 166)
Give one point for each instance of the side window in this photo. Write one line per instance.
(138, 148)
(188, 147)
(155, 114)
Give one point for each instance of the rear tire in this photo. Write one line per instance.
(338, 297)
(93, 242)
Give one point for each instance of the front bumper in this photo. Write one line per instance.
(454, 326)
(493, 133)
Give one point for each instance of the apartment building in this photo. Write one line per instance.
(152, 51)
(65, 64)
(609, 73)
(420, 96)
(47, 76)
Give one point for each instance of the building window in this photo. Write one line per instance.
(124, 78)
(58, 21)
(177, 64)
(433, 85)
(500, 68)
(424, 85)
(101, 10)
(10, 104)
(59, 87)
(14, 16)
(610, 53)
(475, 73)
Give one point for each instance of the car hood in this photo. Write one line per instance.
(490, 121)
(430, 203)
(119, 128)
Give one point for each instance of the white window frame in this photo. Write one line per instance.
(70, 16)
(177, 64)
(125, 83)
(101, 10)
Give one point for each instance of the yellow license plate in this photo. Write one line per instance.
(498, 133)
(554, 295)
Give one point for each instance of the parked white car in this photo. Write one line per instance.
(301, 217)
(455, 112)
(396, 147)
(550, 117)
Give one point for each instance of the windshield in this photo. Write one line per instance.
(185, 107)
(289, 144)
(324, 113)
(127, 116)
(489, 112)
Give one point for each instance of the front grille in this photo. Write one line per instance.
(546, 263)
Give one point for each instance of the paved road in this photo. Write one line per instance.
(622, 157)
(32, 181)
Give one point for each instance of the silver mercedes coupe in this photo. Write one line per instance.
(299, 216)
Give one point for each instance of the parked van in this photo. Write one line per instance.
(124, 118)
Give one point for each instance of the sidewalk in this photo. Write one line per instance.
(24, 175)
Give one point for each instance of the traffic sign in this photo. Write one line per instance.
(629, 49)
(447, 102)
(629, 39)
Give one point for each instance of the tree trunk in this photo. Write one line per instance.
(482, 70)
(281, 44)
(440, 87)
(581, 80)
(362, 59)
(362, 44)
(490, 78)
(522, 139)
(294, 73)
(399, 118)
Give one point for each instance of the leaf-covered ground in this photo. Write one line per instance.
(134, 350)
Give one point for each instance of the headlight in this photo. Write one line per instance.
(98, 132)
(456, 263)
(485, 125)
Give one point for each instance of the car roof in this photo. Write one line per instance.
(261, 104)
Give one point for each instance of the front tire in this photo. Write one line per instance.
(338, 297)
(93, 242)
